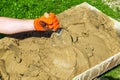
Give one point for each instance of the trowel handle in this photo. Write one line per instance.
(46, 14)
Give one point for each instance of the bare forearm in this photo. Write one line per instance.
(11, 26)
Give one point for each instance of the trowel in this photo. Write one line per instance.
(58, 31)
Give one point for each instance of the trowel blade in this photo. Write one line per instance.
(58, 31)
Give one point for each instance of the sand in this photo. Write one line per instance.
(87, 38)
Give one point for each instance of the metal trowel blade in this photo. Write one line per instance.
(58, 31)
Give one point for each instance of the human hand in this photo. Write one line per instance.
(46, 22)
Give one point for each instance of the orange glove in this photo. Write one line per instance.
(46, 22)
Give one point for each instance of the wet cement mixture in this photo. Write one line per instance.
(87, 38)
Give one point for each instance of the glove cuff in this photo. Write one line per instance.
(37, 25)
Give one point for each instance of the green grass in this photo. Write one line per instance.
(113, 74)
(35, 8)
